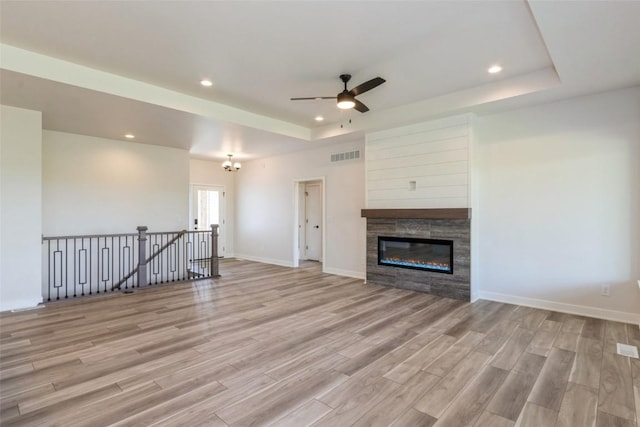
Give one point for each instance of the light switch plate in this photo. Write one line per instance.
(628, 350)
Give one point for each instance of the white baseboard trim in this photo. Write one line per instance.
(474, 296)
(346, 273)
(265, 260)
(22, 304)
(599, 313)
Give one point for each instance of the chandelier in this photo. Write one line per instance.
(230, 166)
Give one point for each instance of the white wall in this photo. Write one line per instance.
(20, 208)
(95, 185)
(425, 165)
(205, 172)
(557, 205)
(265, 211)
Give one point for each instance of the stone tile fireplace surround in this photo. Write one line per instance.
(445, 224)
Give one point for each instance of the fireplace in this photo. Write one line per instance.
(419, 254)
(451, 227)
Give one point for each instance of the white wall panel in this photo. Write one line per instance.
(433, 155)
(456, 168)
(436, 203)
(421, 147)
(96, 185)
(265, 211)
(558, 205)
(425, 193)
(433, 181)
(412, 158)
(20, 208)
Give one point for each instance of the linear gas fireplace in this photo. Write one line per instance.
(419, 254)
(442, 234)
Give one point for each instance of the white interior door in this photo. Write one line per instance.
(301, 215)
(313, 221)
(208, 208)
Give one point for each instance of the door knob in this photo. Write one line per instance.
(316, 226)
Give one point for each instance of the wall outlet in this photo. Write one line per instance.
(627, 350)
(605, 290)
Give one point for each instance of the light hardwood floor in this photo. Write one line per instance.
(267, 345)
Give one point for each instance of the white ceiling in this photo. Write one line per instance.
(105, 68)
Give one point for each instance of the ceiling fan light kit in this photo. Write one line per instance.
(345, 101)
(347, 98)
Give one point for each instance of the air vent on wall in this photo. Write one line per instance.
(349, 155)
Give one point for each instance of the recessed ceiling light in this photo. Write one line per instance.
(494, 69)
(206, 83)
(319, 118)
(129, 136)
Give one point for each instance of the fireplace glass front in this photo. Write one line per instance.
(421, 254)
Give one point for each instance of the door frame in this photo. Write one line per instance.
(222, 232)
(298, 183)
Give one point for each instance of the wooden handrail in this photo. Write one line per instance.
(165, 246)
(148, 260)
(75, 266)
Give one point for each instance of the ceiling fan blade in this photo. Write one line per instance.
(367, 86)
(360, 106)
(313, 97)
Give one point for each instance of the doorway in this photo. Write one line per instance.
(309, 242)
(207, 207)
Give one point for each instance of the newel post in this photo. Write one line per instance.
(142, 255)
(215, 272)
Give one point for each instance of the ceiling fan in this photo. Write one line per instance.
(347, 98)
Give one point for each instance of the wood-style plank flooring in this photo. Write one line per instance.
(267, 345)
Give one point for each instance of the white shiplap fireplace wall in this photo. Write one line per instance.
(425, 165)
(422, 166)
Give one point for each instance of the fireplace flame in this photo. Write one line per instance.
(417, 262)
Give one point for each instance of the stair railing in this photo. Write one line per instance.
(142, 280)
(76, 266)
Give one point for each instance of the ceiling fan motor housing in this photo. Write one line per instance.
(345, 97)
